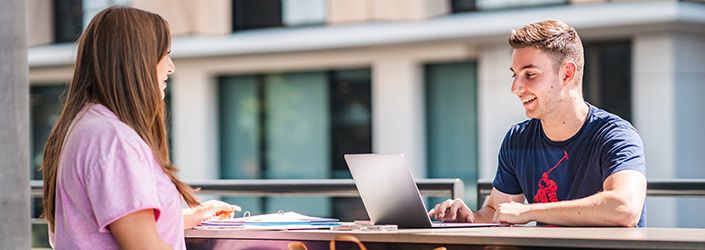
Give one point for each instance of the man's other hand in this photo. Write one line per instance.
(511, 213)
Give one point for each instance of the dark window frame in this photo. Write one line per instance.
(607, 81)
(461, 6)
(342, 90)
(68, 20)
(256, 14)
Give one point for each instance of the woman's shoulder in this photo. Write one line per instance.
(97, 120)
(101, 131)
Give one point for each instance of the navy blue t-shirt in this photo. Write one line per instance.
(546, 171)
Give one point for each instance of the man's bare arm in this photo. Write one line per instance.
(620, 204)
(457, 211)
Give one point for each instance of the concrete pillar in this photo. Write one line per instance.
(653, 80)
(576, 2)
(40, 25)
(357, 11)
(349, 11)
(194, 124)
(689, 57)
(498, 107)
(690, 137)
(409, 10)
(213, 17)
(398, 121)
(666, 90)
(14, 127)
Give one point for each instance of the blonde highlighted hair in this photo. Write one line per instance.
(557, 38)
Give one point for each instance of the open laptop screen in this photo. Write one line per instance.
(388, 189)
(389, 192)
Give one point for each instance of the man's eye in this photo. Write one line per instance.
(530, 75)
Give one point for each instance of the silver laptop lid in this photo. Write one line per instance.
(388, 189)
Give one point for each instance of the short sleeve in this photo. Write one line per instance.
(623, 149)
(119, 185)
(506, 179)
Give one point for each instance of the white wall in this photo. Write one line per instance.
(653, 89)
(397, 98)
(689, 72)
(498, 107)
(667, 85)
(398, 110)
(194, 123)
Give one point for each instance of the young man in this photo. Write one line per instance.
(575, 164)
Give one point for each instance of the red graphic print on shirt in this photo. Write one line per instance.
(547, 187)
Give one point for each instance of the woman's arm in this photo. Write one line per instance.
(137, 230)
(194, 216)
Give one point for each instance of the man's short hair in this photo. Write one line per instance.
(557, 38)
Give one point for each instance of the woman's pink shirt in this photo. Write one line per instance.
(106, 171)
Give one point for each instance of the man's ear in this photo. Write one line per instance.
(568, 72)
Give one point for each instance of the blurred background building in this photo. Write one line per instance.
(281, 89)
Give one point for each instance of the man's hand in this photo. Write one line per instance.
(452, 211)
(511, 213)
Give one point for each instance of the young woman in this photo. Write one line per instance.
(108, 180)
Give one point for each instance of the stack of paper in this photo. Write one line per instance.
(275, 221)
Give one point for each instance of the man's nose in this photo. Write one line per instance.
(517, 86)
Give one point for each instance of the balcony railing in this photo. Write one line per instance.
(453, 188)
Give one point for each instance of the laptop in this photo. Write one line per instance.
(390, 194)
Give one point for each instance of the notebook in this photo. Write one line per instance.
(389, 192)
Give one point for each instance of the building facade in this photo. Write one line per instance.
(275, 89)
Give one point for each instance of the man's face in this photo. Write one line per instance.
(536, 82)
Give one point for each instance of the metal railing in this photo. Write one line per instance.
(453, 188)
(654, 187)
(292, 187)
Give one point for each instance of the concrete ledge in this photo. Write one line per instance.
(475, 27)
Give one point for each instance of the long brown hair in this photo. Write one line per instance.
(116, 66)
(559, 39)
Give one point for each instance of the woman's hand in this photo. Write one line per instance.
(194, 216)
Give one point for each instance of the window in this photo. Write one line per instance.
(72, 16)
(303, 12)
(92, 7)
(463, 6)
(167, 114)
(257, 14)
(249, 14)
(68, 16)
(45, 109)
(474, 5)
(607, 77)
(351, 117)
(292, 126)
(46, 103)
(451, 125)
